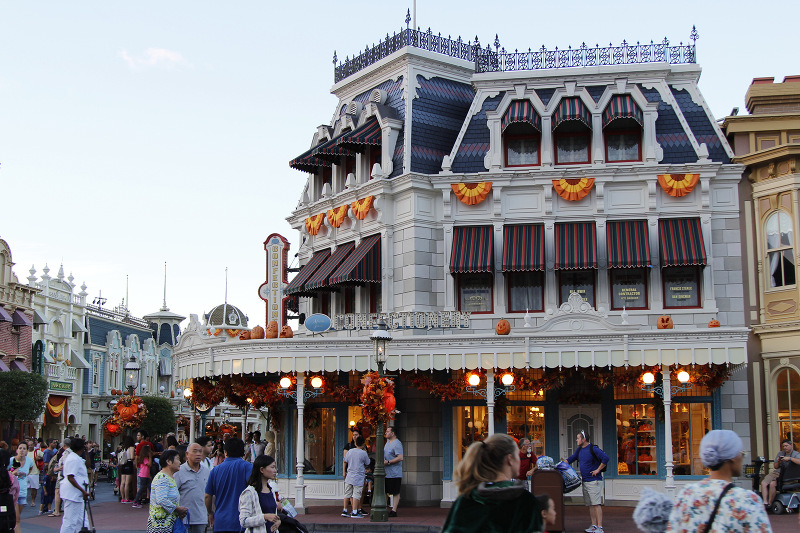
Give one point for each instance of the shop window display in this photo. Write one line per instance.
(320, 439)
(690, 422)
(636, 440)
(527, 421)
(471, 426)
(788, 388)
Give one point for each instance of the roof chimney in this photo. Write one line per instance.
(759, 81)
(791, 79)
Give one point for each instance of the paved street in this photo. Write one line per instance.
(109, 515)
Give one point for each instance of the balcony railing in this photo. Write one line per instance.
(119, 314)
(495, 58)
(54, 371)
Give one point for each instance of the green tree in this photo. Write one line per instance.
(22, 397)
(160, 417)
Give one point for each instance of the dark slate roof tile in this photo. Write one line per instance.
(475, 144)
(545, 95)
(596, 91)
(700, 124)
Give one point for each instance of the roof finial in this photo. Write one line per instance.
(164, 307)
(127, 303)
(226, 285)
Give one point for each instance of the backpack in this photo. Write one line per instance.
(602, 466)
(8, 513)
(51, 466)
(154, 468)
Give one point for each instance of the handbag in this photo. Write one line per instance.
(179, 526)
(728, 487)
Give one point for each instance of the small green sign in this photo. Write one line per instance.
(61, 386)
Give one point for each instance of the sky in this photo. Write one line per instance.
(138, 133)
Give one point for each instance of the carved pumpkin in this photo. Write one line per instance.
(503, 327)
(389, 401)
(664, 322)
(245, 336)
(272, 330)
(713, 323)
(126, 412)
(172, 394)
(112, 428)
(257, 333)
(286, 332)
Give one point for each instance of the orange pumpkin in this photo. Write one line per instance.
(272, 330)
(126, 412)
(112, 428)
(257, 333)
(286, 332)
(390, 402)
(503, 327)
(664, 322)
(244, 336)
(713, 323)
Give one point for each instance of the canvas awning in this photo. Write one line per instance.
(16, 364)
(3, 366)
(473, 249)
(681, 242)
(571, 109)
(78, 327)
(368, 134)
(4, 316)
(521, 111)
(306, 271)
(38, 319)
(622, 106)
(361, 266)
(77, 360)
(576, 246)
(21, 319)
(523, 248)
(321, 277)
(628, 245)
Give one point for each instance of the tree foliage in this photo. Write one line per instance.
(23, 395)
(160, 417)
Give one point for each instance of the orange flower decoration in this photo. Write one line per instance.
(472, 193)
(336, 216)
(678, 185)
(362, 207)
(573, 189)
(314, 223)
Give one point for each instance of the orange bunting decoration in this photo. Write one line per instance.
(314, 223)
(573, 189)
(362, 207)
(472, 193)
(678, 185)
(233, 332)
(336, 216)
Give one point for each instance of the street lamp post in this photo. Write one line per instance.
(131, 374)
(187, 395)
(378, 510)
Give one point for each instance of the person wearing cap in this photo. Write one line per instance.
(737, 509)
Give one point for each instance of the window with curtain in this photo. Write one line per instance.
(580, 281)
(780, 250)
(475, 293)
(623, 140)
(628, 288)
(525, 291)
(572, 140)
(787, 385)
(521, 145)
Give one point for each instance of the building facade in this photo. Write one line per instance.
(573, 222)
(767, 142)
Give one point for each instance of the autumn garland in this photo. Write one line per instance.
(374, 399)
(129, 411)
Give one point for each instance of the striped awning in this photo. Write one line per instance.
(576, 245)
(523, 248)
(321, 277)
(473, 249)
(361, 266)
(368, 134)
(622, 106)
(306, 271)
(681, 242)
(628, 245)
(333, 150)
(308, 162)
(571, 109)
(522, 111)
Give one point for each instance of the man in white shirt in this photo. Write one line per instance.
(73, 488)
(207, 443)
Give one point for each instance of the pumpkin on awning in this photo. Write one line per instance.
(678, 185)
(314, 223)
(472, 193)
(362, 207)
(336, 216)
(573, 189)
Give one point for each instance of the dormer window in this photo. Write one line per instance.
(521, 134)
(622, 129)
(572, 132)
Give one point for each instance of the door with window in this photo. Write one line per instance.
(572, 420)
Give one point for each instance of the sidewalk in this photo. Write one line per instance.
(109, 515)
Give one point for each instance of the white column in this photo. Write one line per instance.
(490, 400)
(299, 485)
(669, 483)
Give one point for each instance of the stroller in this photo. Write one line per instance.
(788, 491)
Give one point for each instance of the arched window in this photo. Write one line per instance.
(622, 129)
(780, 254)
(787, 386)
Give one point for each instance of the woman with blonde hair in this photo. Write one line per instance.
(490, 498)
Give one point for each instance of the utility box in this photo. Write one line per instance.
(551, 483)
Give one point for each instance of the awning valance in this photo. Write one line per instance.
(368, 134)
(622, 106)
(572, 109)
(521, 111)
(56, 404)
(681, 242)
(332, 150)
(523, 248)
(21, 319)
(576, 245)
(78, 327)
(308, 162)
(165, 367)
(321, 277)
(38, 319)
(77, 360)
(4, 316)
(361, 266)
(628, 245)
(299, 281)
(473, 249)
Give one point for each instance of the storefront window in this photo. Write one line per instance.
(471, 426)
(780, 241)
(320, 439)
(475, 293)
(525, 291)
(629, 288)
(690, 422)
(527, 422)
(681, 287)
(580, 281)
(636, 440)
(788, 387)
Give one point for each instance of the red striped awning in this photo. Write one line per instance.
(308, 162)
(368, 134)
(628, 245)
(622, 106)
(681, 242)
(473, 249)
(306, 271)
(361, 266)
(523, 248)
(571, 109)
(522, 111)
(322, 155)
(576, 245)
(320, 279)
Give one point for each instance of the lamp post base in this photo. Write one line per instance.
(378, 511)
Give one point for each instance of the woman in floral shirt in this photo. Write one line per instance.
(739, 509)
(164, 496)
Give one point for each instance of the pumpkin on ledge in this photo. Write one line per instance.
(503, 327)
(713, 323)
(664, 322)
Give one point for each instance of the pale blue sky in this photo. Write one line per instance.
(142, 132)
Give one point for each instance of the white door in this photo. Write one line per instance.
(573, 419)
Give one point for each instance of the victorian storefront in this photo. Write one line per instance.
(517, 214)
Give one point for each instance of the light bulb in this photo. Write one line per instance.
(683, 376)
(187, 393)
(316, 382)
(285, 382)
(474, 379)
(648, 378)
(507, 379)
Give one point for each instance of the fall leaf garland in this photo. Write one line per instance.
(374, 398)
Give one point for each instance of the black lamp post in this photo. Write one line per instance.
(131, 374)
(378, 510)
(187, 395)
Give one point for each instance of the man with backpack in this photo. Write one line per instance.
(592, 462)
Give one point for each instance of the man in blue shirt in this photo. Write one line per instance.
(225, 484)
(592, 461)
